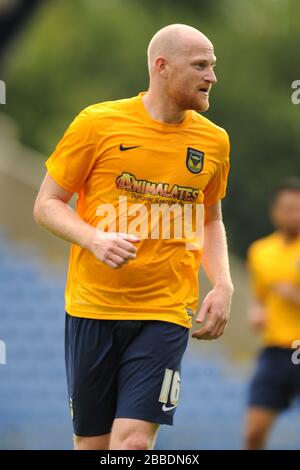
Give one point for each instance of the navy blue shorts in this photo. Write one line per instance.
(122, 369)
(276, 380)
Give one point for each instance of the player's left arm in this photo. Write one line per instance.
(215, 308)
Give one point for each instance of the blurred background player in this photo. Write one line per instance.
(274, 264)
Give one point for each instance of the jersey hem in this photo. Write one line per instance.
(123, 315)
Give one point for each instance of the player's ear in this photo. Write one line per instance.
(161, 66)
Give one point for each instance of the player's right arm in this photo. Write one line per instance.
(51, 210)
(256, 312)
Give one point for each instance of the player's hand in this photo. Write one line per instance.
(215, 310)
(256, 315)
(114, 248)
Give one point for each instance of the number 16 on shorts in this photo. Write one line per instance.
(170, 390)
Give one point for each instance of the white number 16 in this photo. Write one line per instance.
(171, 382)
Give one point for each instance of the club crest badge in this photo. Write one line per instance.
(194, 160)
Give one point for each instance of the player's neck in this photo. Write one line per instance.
(161, 109)
(289, 237)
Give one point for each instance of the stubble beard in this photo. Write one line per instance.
(186, 102)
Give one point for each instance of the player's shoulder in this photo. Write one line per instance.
(264, 243)
(101, 116)
(109, 108)
(219, 132)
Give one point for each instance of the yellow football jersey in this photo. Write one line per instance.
(115, 151)
(272, 260)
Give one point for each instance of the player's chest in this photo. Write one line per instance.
(280, 265)
(158, 157)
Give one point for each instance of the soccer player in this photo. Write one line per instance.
(130, 298)
(274, 263)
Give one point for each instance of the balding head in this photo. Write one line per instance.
(175, 40)
(181, 61)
